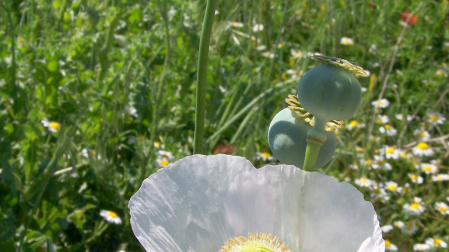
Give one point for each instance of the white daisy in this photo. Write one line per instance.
(442, 208)
(410, 228)
(386, 228)
(346, 41)
(50, 125)
(421, 247)
(423, 150)
(415, 178)
(429, 168)
(296, 54)
(111, 217)
(165, 155)
(415, 208)
(382, 103)
(161, 163)
(440, 177)
(258, 27)
(268, 55)
(216, 198)
(390, 246)
(364, 182)
(380, 163)
(435, 118)
(389, 130)
(436, 243)
(236, 24)
(400, 117)
(390, 152)
(130, 110)
(158, 145)
(354, 124)
(382, 119)
(393, 187)
(264, 156)
(422, 134)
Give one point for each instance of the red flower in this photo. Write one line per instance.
(410, 19)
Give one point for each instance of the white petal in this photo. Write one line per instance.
(199, 202)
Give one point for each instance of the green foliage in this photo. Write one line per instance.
(119, 76)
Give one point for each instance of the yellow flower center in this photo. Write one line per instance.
(266, 154)
(353, 123)
(392, 187)
(422, 134)
(434, 118)
(376, 191)
(387, 127)
(427, 168)
(437, 242)
(257, 242)
(414, 206)
(390, 150)
(442, 209)
(403, 155)
(380, 162)
(157, 144)
(413, 177)
(164, 162)
(112, 214)
(387, 243)
(92, 153)
(422, 146)
(54, 125)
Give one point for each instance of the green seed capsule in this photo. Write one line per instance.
(329, 92)
(287, 137)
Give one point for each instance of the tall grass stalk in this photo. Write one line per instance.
(202, 76)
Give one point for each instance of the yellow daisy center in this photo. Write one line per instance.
(392, 187)
(422, 134)
(257, 242)
(442, 209)
(403, 155)
(422, 146)
(157, 144)
(390, 150)
(266, 154)
(164, 162)
(437, 242)
(376, 191)
(353, 123)
(387, 243)
(54, 125)
(92, 153)
(112, 214)
(413, 177)
(434, 118)
(387, 127)
(414, 206)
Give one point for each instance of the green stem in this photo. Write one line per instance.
(202, 76)
(315, 139)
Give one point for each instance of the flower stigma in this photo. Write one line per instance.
(256, 242)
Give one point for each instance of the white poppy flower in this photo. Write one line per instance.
(200, 202)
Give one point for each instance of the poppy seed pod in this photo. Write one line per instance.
(329, 92)
(287, 137)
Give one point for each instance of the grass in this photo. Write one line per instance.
(88, 64)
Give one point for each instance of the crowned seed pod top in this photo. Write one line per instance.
(329, 92)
